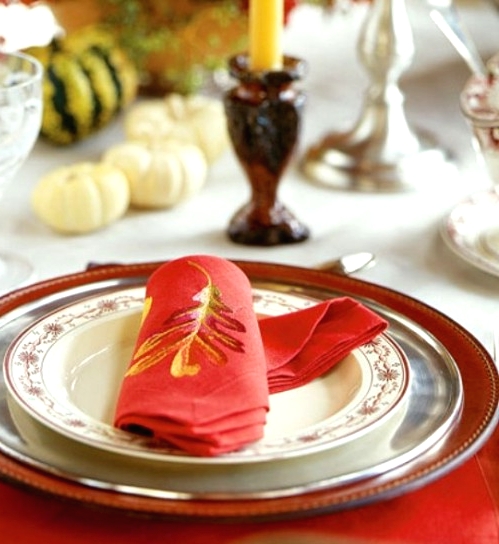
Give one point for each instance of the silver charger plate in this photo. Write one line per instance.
(451, 409)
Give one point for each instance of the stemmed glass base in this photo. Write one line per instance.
(14, 271)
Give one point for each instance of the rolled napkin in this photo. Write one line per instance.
(198, 375)
(203, 365)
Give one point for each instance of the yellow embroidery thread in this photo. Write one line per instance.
(193, 334)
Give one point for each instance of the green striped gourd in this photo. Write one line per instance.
(88, 80)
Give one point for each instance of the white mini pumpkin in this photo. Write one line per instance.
(196, 119)
(82, 197)
(160, 174)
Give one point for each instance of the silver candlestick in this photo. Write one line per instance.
(381, 152)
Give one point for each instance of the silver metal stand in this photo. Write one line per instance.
(382, 152)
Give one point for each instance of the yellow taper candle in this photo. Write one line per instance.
(266, 21)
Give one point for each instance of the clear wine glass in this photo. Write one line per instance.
(20, 121)
(480, 105)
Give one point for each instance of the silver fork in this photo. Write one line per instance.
(446, 17)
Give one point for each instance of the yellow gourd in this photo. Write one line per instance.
(195, 119)
(82, 197)
(160, 174)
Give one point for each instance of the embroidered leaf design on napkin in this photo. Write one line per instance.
(201, 332)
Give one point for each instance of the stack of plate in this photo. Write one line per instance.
(381, 422)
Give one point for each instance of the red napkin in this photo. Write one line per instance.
(198, 374)
(203, 365)
(301, 346)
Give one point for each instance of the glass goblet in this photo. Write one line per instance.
(480, 106)
(20, 121)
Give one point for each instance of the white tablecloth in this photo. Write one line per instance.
(402, 229)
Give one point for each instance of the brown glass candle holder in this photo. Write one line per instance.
(264, 117)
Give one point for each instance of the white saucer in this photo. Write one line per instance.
(471, 230)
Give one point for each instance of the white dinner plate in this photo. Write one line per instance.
(471, 230)
(65, 370)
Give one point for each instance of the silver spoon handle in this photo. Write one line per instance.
(448, 21)
(349, 264)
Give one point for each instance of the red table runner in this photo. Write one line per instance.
(459, 508)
